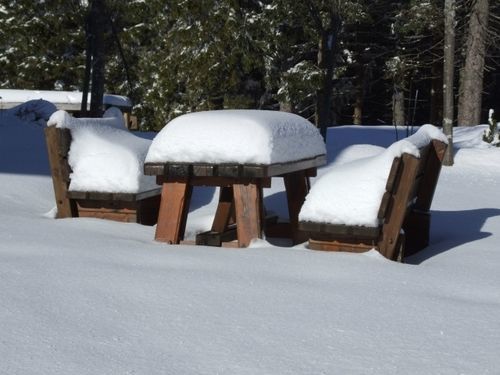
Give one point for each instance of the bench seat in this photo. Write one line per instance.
(141, 207)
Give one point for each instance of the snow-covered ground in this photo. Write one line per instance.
(87, 296)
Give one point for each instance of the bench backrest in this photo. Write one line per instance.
(58, 141)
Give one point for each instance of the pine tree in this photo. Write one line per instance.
(41, 47)
(204, 57)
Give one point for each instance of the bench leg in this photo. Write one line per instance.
(174, 207)
(296, 185)
(417, 227)
(225, 210)
(248, 209)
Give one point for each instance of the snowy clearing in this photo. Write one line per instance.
(88, 296)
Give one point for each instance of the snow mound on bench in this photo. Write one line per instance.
(236, 136)
(350, 193)
(104, 156)
(425, 134)
(113, 117)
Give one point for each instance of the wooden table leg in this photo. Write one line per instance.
(248, 207)
(225, 210)
(297, 187)
(174, 207)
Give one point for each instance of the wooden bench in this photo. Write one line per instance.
(404, 211)
(141, 207)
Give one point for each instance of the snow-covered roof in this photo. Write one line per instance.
(66, 100)
(350, 193)
(237, 136)
(104, 156)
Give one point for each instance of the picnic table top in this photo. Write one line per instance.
(232, 170)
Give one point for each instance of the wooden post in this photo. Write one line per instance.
(58, 142)
(225, 209)
(174, 207)
(296, 191)
(248, 207)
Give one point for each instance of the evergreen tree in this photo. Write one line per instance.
(204, 57)
(41, 44)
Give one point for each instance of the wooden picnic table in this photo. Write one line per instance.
(240, 209)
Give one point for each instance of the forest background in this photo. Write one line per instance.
(334, 62)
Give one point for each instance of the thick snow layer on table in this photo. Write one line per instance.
(350, 193)
(104, 156)
(236, 136)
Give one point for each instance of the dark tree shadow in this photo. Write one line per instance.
(202, 195)
(277, 203)
(450, 229)
(23, 150)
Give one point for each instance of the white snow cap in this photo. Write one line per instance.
(104, 156)
(425, 134)
(236, 136)
(351, 193)
(112, 117)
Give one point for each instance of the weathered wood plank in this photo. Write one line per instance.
(212, 238)
(154, 169)
(174, 206)
(296, 191)
(427, 186)
(58, 141)
(225, 210)
(325, 231)
(340, 246)
(391, 228)
(281, 169)
(385, 205)
(248, 209)
(203, 170)
(394, 175)
(233, 170)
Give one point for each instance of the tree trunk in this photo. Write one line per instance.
(471, 82)
(324, 95)
(436, 94)
(448, 75)
(286, 107)
(326, 61)
(357, 117)
(398, 106)
(88, 67)
(97, 22)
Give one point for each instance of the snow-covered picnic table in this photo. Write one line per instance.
(238, 151)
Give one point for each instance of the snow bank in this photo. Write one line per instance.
(350, 193)
(236, 136)
(59, 97)
(355, 152)
(87, 296)
(104, 156)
